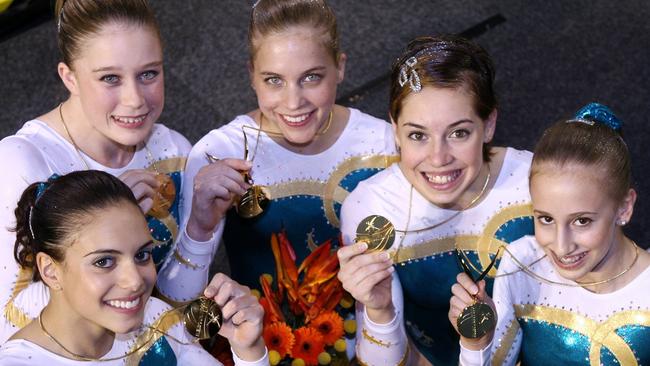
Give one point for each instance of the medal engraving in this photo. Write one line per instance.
(202, 318)
(377, 232)
(476, 320)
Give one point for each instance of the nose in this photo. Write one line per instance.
(293, 97)
(131, 277)
(132, 95)
(439, 154)
(563, 241)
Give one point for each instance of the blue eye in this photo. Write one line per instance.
(273, 80)
(104, 262)
(143, 256)
(312, 78)
(149, 75)
(110, 79)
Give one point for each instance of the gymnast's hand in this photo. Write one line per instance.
(242, 316)
(215, 187)
(143, 184)
(465, 293)
(367, 277)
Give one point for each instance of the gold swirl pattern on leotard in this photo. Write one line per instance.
(600, 334)
(505, 343)
(331, 191)
(149, 337)
(485, 244)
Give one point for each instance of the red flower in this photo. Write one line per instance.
(309, 343)
(330, 325)
(278, 337)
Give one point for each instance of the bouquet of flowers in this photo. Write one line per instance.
(305, 308)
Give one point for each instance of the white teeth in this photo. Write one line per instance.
(296, 119)
(124, 304)
(441, 179)
(129, 119)
(571, 259)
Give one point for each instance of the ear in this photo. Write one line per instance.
(490, 126)
(49, 270)
(68, 77)
(341, 67)
(627, 208)
(394, 125)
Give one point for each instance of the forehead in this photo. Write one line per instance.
(295, 48)
(120, 226)
(569, 188)
(437, 107)
(119, 44)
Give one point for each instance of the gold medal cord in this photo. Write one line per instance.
(526, 269)
(131, 352)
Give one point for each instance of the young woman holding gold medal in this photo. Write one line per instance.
(112, 65)
(451, 200)
(290, 163)
(585, 302)
(87, 240)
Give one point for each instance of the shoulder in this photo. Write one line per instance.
(522, 252)
(380, 184)
(19, 352)
(368, 125)
(164, 140)
(225, 141)
(518, 158)
(32, 147)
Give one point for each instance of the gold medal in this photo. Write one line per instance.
(477, 319)
(377, 232)
(253, 202)
(202, 318)
(164, 197)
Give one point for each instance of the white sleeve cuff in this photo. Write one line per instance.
(262, 361)
(195, 247)
(385, 328)
(470, 357)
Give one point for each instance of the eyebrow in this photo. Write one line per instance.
(579, 213)
(111, 68)
(413, 124)
(317, 68)
(113, 251)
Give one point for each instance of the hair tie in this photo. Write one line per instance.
(42, 186)
(597, 113)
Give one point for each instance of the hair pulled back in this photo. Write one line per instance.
(447, 61)
(77, 20)
(50, 213)
(591, 143)
(275, 16)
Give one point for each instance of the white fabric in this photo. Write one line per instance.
(36, 152)
(522, 289)
(387, 194)
(273, 164)
(22, 352)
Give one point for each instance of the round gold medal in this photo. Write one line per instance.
(164, 197)
(202, 318)
(476, 320)
(377, 232)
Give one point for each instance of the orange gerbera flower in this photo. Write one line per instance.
(309, 343)
(278, 337)
(330, 325)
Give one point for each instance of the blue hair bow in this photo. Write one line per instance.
(42, 186)
(599, 113)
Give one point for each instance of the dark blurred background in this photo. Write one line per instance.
(551, 56)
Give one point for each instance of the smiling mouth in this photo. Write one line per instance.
(441, 181)
(126, 305)
(296, 121)
(130, 121)
(570, 261)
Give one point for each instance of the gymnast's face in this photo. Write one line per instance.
(117, 77)
(576, 221)
(295, 79)
(441, 138)
(108, 274)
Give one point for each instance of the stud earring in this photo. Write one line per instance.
(621, 223)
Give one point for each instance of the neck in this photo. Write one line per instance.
(88, 140)
(78, 335)
(616, 269)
